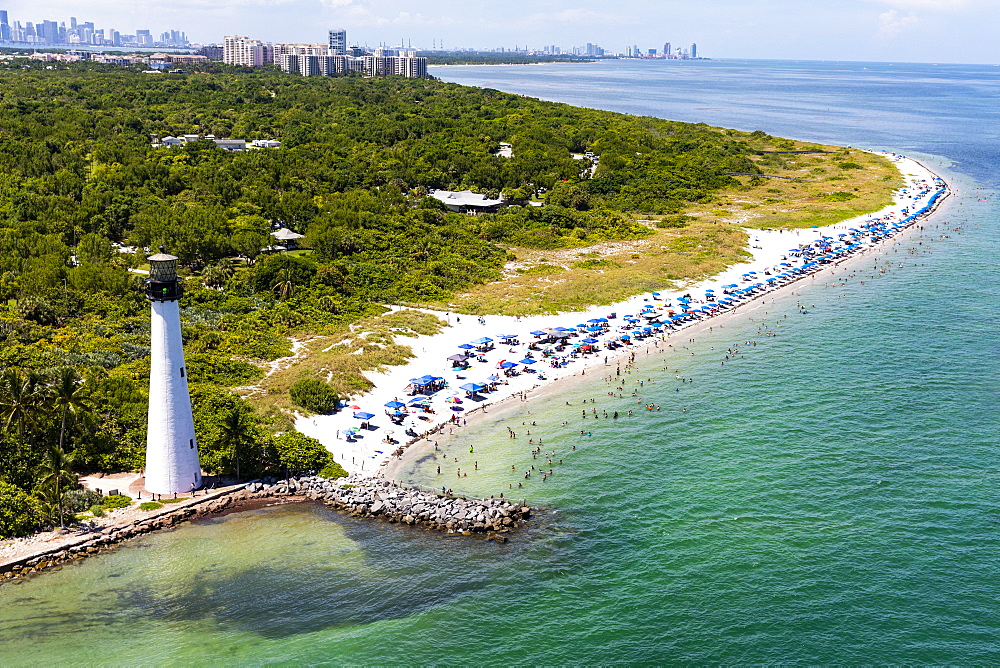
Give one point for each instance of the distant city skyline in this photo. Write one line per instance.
(878, 30)
(46, 30)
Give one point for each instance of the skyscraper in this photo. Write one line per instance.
(694, 50)
(667, 52)
(338, 42)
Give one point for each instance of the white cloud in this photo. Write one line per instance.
(580, 17)
(947, 6)
(891, 23)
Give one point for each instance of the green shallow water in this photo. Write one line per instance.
(828, 498)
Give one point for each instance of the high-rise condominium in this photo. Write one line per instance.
(338, 42)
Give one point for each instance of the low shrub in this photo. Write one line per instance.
(177, 500)
(97, 510)
(150, 505)
(20, 513)
(839, 196)
(333, 470)
(313, 395)
(117, 501)
(80, 500)
(676, 220)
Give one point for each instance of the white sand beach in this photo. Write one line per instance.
(368, 451)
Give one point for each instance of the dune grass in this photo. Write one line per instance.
(341, 359)
(572, 279)
(819, 188)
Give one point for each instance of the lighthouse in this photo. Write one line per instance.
(171, 450)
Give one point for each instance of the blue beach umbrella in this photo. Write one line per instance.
(527, 360)
(394, 404)
(466, 346)
(538, 332)
(364, 416)
(507, 365)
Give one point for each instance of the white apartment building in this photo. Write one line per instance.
(240, 50)
(338, 43)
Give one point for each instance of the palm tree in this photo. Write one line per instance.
(20, 400)
(58, 468)
(237, 428)
(285, 285)
(216, 275)
(71, 396)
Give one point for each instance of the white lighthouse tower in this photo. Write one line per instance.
(171, 451)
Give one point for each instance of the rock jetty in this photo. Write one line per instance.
(356, 496)
(385, 500)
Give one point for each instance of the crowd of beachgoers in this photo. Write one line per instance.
(476, 362)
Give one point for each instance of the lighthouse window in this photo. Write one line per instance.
(182, 372)
(192, 444)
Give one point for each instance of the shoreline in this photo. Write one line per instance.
(370, 455)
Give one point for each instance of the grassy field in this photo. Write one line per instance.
(814, 188)
(573, 279)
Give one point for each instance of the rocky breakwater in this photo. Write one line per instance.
(387, 501)
(84, 542)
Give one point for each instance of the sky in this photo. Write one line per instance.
(944, 31)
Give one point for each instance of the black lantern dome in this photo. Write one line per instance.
(163, 284)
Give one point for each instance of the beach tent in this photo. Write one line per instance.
(507, 365)
(538, 333)
(482, 341)
(458, 358)
(466, 346)
(473, 388)
(364, 416)
(590, 340)
(527, 360)
(394, 404)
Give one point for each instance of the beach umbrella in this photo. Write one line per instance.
(527, 360)
(538, 333)
(458, 358)
(598, 320)
(483, 340)
(590, 340)
(355, 408)
(394, 404)
(507, 365)
(473, 387)
(466, 346)
(364, 416)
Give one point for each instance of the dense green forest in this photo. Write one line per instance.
(80, 183)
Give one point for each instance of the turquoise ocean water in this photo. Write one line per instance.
(829, 495)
